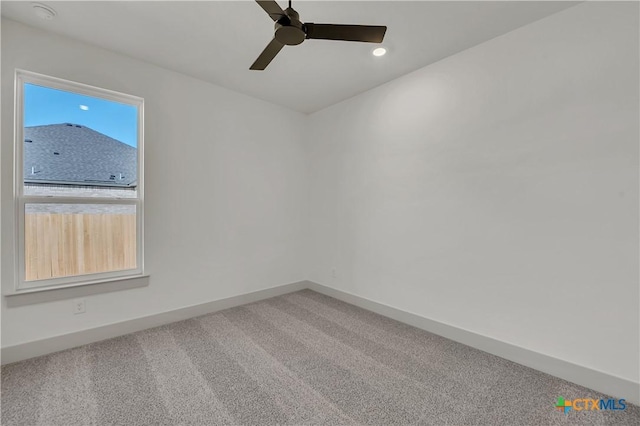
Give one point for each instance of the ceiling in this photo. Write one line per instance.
(217, 41)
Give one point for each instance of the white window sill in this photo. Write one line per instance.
(69, 291)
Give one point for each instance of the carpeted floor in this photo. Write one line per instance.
(302, 358)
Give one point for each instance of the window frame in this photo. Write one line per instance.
(23, 77)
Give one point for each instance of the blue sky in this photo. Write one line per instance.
(43, 105)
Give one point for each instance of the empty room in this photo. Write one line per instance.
(320, 212)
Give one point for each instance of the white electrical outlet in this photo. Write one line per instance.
(334, 272)
(78, 306)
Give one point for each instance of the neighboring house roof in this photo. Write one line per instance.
(72, 154)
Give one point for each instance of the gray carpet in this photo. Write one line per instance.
(302, 358)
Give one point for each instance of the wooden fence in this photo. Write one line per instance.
(61, 244)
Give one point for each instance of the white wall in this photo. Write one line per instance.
(496, 190)
(225, 195)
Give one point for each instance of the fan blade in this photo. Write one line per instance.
(272, 8)
(366, 33)
(267, 55)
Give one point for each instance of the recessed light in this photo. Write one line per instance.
(43, 11)
(380, 51)
(84, 107)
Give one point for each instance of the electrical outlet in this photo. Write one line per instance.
(334, 272)
(78, 306)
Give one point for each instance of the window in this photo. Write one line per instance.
(78, 183)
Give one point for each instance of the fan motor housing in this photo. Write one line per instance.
(289, 35)
(289, 30)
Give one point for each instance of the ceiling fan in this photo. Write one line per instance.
(290, 31)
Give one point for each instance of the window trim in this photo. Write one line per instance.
(20, 200)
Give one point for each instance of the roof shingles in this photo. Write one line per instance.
(73, 154)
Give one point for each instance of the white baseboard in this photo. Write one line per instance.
(71, 340)
(608, 384)
(603, 382)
